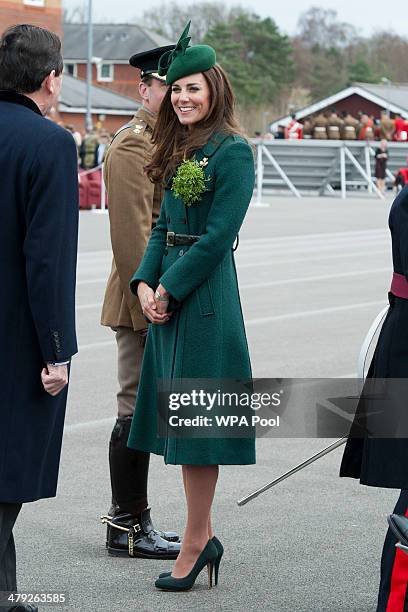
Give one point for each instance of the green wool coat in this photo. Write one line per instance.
(205, 337)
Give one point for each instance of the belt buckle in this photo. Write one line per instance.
(171, 239)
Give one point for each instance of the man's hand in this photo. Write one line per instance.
(54, 378)
(149, 305)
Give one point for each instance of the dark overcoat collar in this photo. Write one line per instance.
(17, 98)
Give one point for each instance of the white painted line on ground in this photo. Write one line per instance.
(307, 248)
(101, 253)
(92, 281)
(273, 261)
(89, 306)
(99, 344)
(88, 424)
(323, 235)
(312, 313)
(84, 425)
(274, 239)
(308, 279)
(262, 320)
(287, 281)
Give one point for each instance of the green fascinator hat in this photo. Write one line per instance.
(185, 60)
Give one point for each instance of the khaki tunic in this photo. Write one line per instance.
(387, 127)
(334, 127)
(320, 127)
(134, 205)
(350, 127)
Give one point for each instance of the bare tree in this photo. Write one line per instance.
(169, 18)
(77, 14)
(320, 27)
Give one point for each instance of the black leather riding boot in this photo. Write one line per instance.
(128, 471)
(129, 527)
(135, 536)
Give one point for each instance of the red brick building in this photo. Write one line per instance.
(44, 13)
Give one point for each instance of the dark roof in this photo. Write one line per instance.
(111, 41)
(73, 95)
(392, 93)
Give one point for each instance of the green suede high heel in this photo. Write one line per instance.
(207, 558)
(220, 550)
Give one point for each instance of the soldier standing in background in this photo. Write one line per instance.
(294, 129)
(335, 125)
(134, 206)
(387, 126)
(87, 150)
(350, 126)
(320, 127)
(308, 128)
(366, 131)
(401, 134)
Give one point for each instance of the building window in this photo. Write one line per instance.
(71, 69)
(34, 2)
(105, 72)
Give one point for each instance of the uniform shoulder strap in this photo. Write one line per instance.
(121, 129)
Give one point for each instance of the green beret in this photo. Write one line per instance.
(185, 60)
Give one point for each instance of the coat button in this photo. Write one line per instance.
(181, 253)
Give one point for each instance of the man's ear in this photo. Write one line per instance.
(49, 83)
(143, 89)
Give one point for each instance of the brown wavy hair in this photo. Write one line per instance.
(175, 142)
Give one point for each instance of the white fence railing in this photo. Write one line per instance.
(330, 167)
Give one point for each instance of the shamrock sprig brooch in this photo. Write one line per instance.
(189, 181)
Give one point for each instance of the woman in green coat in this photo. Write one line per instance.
(189, 264)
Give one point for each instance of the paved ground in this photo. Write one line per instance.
(313, 274)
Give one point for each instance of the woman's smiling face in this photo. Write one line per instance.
(190, 97)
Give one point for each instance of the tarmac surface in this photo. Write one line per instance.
(313, 274)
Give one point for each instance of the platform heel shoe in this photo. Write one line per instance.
(220, 551)
(207, 558)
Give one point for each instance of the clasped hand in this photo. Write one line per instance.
(54, 378)
(154, 309)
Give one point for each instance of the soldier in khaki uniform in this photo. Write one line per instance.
(334, 126)
(320, 127)
(350, 126)
(134, 205)
(387, 126)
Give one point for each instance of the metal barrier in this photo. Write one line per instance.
(327, 167)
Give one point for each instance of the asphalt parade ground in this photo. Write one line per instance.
(313, 274)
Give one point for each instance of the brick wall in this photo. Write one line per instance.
(126, 79)
(48, 16)
(112, 122)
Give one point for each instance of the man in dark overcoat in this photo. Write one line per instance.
(38, 245)
(377, 460)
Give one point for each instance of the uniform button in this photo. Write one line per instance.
(181, 252)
